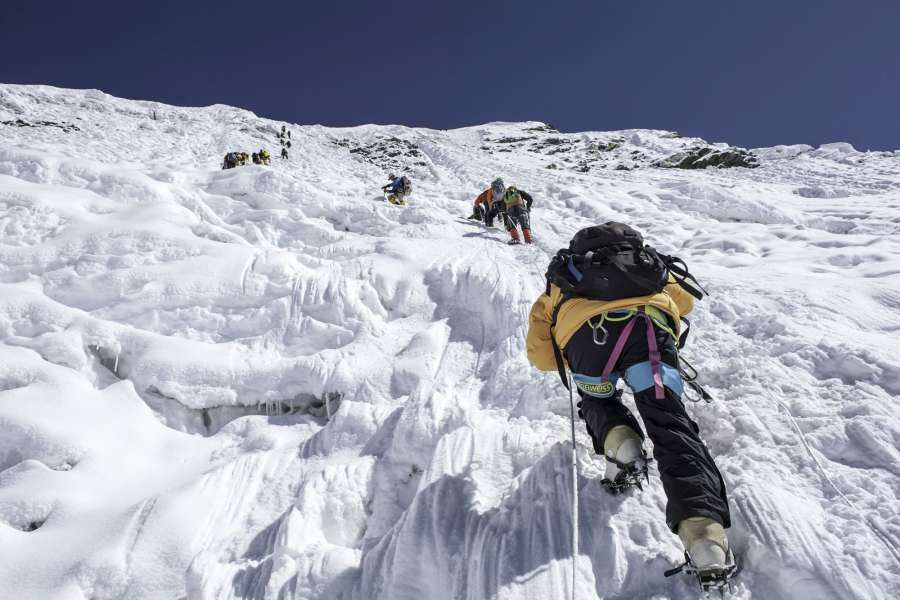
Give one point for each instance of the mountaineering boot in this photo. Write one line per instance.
(706, 552)
(514, 233)
(526, 233)
(705, 542)
(626, 463)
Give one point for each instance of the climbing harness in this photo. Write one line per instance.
(655, 357)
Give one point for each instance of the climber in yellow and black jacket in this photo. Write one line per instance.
(613, 309)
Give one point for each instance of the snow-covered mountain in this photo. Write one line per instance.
(266, 382)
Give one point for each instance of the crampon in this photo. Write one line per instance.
(715, 579)
(628, 476)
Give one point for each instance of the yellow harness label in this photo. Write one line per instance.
(604, 388)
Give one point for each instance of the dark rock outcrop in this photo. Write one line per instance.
(706, 156)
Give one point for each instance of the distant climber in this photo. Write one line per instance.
(498, 209)
(483, 209)
(612, 309)
(284, 153)
(515, 213)
(398, 189)
(288, 143)
(234, 159)
(255, 158)
(264, 157)
(289, 134)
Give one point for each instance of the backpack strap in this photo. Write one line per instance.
(682, 276)
(557, 353)
(682, 339)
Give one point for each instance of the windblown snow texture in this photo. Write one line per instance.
(174, 337)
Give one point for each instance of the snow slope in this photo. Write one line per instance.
(268, 383)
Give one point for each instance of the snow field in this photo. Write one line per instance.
(264, 383)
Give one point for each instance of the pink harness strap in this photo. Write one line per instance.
(655, 357)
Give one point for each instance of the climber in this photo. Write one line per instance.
(398, 189)
(515, 213)
(613, 309)
(483, 209)
(498, 209)
(230, 161)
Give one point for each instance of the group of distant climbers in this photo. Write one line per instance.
(240, 159)
(511, 204)
(284, 138)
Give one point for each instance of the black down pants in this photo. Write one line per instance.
(517, 215)
(692, 482)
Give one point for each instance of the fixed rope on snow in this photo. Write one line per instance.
(574, 491)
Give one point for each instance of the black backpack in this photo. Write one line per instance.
(611, 262)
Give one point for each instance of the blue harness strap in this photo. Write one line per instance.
(639, 377)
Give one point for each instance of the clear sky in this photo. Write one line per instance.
(751, 73)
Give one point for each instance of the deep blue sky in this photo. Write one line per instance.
(751, 73)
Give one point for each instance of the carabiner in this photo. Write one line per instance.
(594, 328)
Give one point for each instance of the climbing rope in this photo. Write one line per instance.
(874, 526)
(574, 489)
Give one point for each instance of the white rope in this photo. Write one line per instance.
(574, 489)
(873, 525)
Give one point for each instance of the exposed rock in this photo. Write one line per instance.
(512, 140)
(390, 153)
(706, 156)
(66, 127)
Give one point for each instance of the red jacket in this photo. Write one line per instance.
(486, 197)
